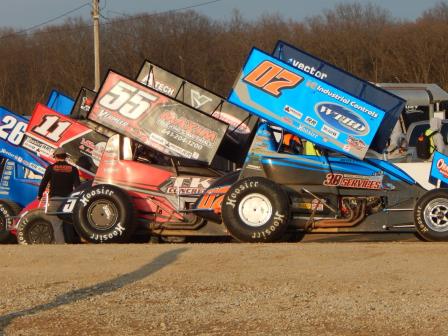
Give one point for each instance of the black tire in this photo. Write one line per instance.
(419, 237)
(7, 209)
(256, 210)
(104, 214)
(431, 215)
(294, 236)
(35, 228)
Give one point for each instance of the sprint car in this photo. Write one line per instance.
(340, 190)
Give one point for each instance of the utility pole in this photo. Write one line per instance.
(96, 40)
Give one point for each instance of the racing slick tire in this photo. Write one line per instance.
(104, 214)
(7, 209)
(431, 215)
(35, 228)
(294, 236)
(256, 210)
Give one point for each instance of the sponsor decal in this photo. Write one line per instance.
(307, 68)
(287, 120)
(308, 131)
(311, 121)
(38, 147)
(235, 124)
(288, 109)
(314, 205)
(164, 88)
(353, 181)
(188, 185)
(212, 199)
(341, 118)
(330, 131)
(21, 160)
(86, 104)
(188, 128)
(198, 100)
(357, 143)
(442, 167)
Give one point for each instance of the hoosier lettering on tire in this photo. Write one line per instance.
(104, 214)
(256, 210)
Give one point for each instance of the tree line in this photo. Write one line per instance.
(363, 39)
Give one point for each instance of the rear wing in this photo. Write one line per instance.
(390, 104)
(156, 120)
(83, 103)
(48, 130)
(305, 106)
(12, 131)
(242, 125)
(60, 102)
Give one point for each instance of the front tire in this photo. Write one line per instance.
(104, 214)
(431, 215)
(35, 228)
(256, 210)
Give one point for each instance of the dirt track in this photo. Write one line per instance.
(311, 288)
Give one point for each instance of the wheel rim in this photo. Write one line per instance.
(255, 210)
(102, 214)
(40, 232)
(436, 214)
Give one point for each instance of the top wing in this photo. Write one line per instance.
(241, 124)
(391, 104)
(306, 106)
(156, 120)
(48, 130)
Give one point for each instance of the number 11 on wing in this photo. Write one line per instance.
(52, 128)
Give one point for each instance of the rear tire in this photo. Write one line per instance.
(35, 228)
(256, 210)
(104, 214)
(431, 215)
(7, 209)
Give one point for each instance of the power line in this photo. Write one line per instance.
(126, 17)
(172, 10)
(52, 19)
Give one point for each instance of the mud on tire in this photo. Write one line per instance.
(256, 210)
(431, 215)
(35, 228)
(7, 209)
(104, 214)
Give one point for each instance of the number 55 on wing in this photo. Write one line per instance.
(156, 120)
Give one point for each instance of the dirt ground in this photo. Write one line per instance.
(318, 287)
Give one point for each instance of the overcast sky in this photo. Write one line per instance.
(26, 13)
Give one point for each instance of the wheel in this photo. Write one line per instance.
(256, 210)
(104, 214)
(431, 215)
(35, 228)
(7, 209)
